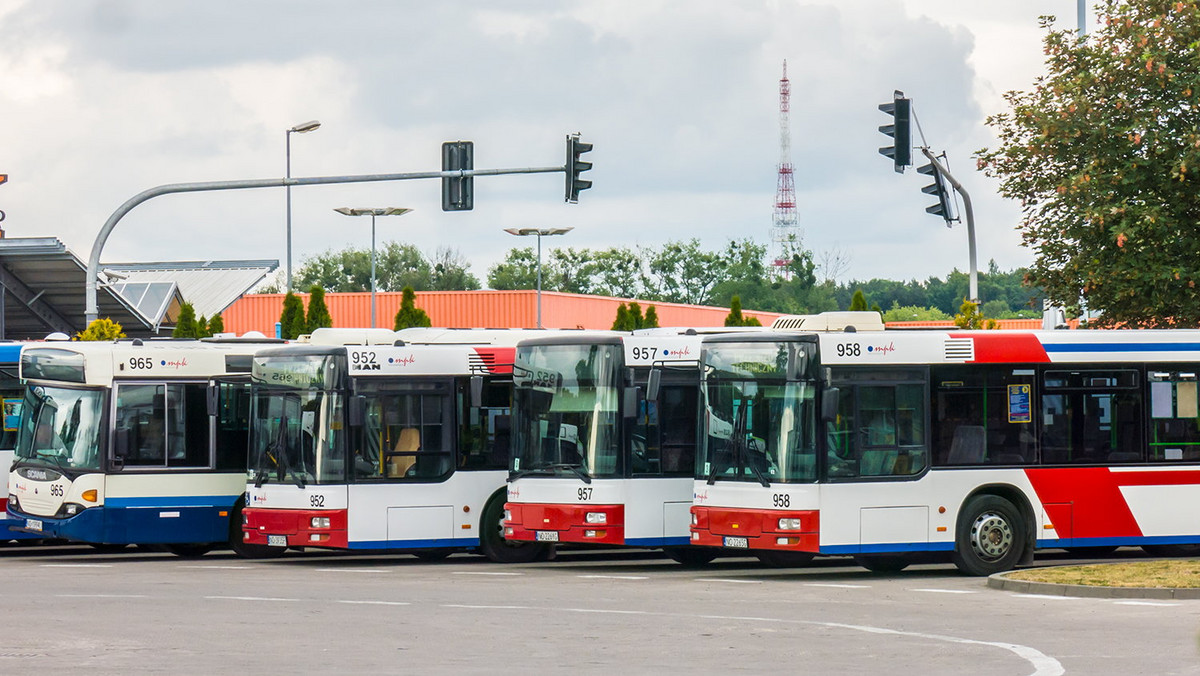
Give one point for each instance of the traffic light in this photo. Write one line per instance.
(458, 194)
(938, 187)
(900, 130)
(576, 166)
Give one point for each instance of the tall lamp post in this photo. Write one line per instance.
(303, 128)
(539, 233)
(378, 211)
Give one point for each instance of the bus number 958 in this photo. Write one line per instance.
(849, 350)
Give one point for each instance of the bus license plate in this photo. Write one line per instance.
(276, 540)
(547, 536)
(33, 524)
(740, 543)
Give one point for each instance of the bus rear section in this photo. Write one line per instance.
(600, 458)
(12, 395)
(984, 446)
(133, 442)
(396, 447)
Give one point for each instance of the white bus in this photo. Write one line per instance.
(985, 445)
(604, 453)
(13, 396)
(133, 442)
(400, 447)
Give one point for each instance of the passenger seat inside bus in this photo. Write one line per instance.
(967, 447)
(409, 442)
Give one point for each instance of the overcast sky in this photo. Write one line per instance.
(100, 100)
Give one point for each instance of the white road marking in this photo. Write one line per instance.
(219, 567)
(601, 610)
(377, 603)
(101, 596)
(351, 570)
(76, 565)
(946, 591)
(462, 605)
(614, 577)
(1145, 603)
(246, 598)
(1047, 597)
(837, 586)
(719, 579)
(471, 572)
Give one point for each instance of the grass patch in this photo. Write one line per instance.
(1169, 574)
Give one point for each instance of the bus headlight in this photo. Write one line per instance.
(789, 524)
(12, 501)
(695, 519)
(508, 515)
(596, 517)
(320, 522)
(70, 509)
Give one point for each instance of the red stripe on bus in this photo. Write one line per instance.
(1085, 502)
(1006, 348)
(499, 360)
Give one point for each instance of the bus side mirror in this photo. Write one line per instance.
(653, 382)
(476, 391)
(629, 407)
(210, 398)
(829, 404)
(121, 443)
(356, 408)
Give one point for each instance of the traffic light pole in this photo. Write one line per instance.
(973, 282)
(92, 308)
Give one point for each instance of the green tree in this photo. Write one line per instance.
(970, 317)
(859, 302)
(622, 322)
(216, 325)
(650, 321)
(409, 314)
(635, 315)
(318, 312)
(292, 322)
(396, 266)
(185, 324)
(735, 316)
(1104, 155)
(518, 270)
(101, 329)
(202, 327)
(450, 271)
(913, 313)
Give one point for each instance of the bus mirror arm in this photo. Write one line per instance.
(476, 391)
(829, 404)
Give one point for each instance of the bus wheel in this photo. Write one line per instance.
(883, 563)
(990, 538)
(1172, 550)
(776, 559)
(690, 556)
(432, 554)
(190, 550)
(491, 537)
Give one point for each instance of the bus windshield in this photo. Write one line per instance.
(565, 410)
(60, 427)
(296, 437)
(764, 428)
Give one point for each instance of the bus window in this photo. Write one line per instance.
(1174, 415)
(1091, 417)
(485, 434)
(880, 428)
(984, 415)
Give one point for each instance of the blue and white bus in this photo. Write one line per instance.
(133, 442)
(11, 395)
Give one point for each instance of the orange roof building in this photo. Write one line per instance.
(475, 309)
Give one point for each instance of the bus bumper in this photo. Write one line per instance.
(295, 527)
(774, 529)
(591, 524)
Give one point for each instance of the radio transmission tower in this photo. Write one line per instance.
(785, 230)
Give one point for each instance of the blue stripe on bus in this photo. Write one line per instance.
(1121, 347)
(414, 544)
(1119, 542)
(10, 353)
(658, 542)
(171, 501)
(889, 548)
(124, 525)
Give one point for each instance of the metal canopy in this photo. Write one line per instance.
(44, 292)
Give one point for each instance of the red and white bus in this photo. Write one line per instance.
(600, 458)
(984, 444)
(394, 446)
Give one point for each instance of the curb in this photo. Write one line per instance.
(1001, 581)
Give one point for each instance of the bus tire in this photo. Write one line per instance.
(491, 537)
(883, 563)
(190, 550)
(1172, 550)
(990, 537)
(776, 559)
(688, 555)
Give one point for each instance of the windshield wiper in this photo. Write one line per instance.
(542, 469)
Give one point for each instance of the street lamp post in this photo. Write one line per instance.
(378, 211)
(302, 128)
(539, 233)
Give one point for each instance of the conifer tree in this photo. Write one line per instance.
(409, 314)
(292, 322)
(318, 312)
